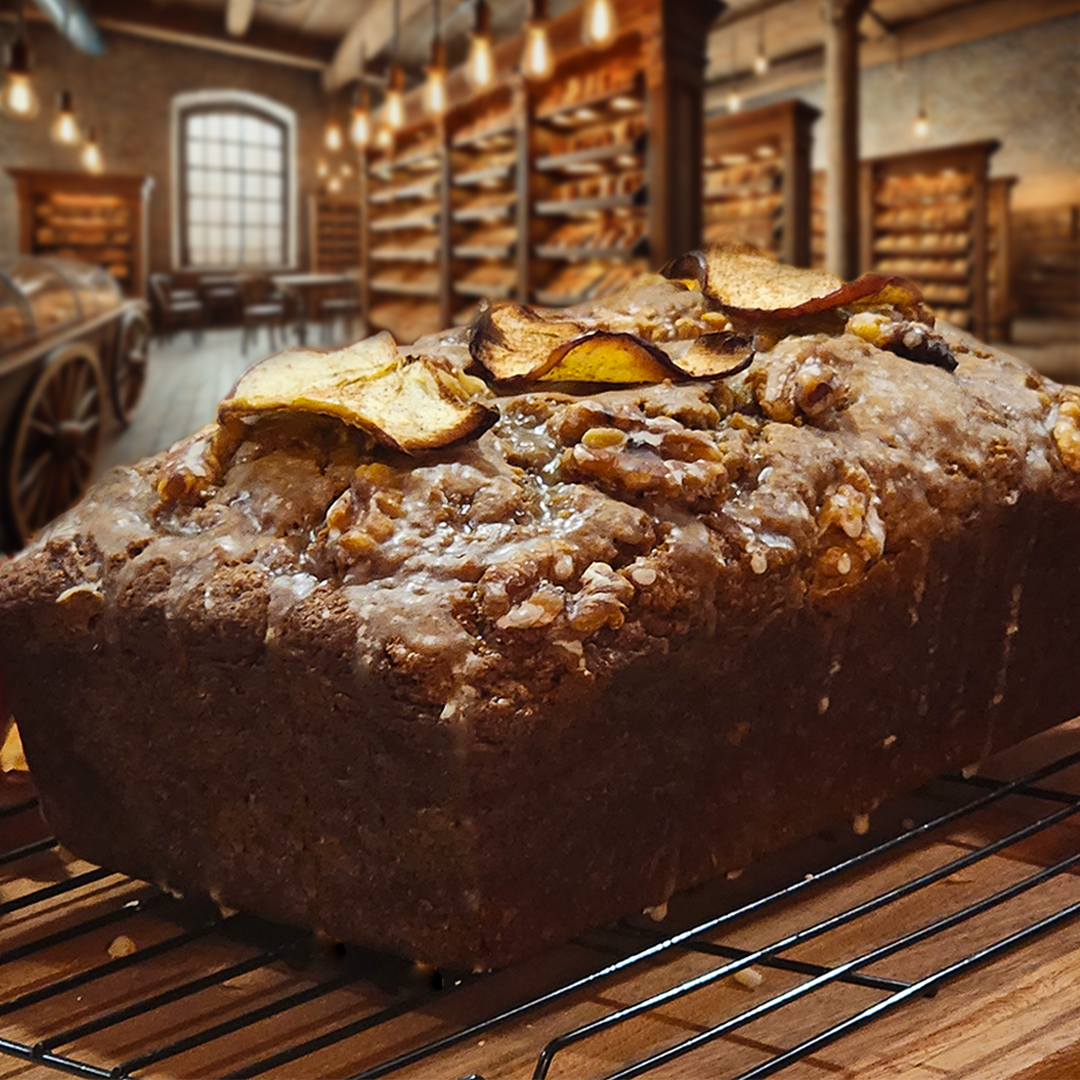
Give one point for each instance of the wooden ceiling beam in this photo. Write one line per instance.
(202, 28)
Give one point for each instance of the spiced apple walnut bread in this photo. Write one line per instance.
(579, 647)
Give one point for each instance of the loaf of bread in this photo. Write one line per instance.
(463, 697)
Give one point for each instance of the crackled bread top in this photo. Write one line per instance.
(585, 526)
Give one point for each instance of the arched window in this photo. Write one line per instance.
(234, 182)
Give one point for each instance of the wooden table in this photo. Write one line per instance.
(1015, 1019)
(305, 287)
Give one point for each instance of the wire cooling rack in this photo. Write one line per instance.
(103, 976)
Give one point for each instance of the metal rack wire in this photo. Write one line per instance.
(402, 990)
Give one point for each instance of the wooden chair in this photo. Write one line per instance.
(261, 307)
(330, 308)
(223, 293)
(175, 308)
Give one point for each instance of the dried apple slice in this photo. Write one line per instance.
(605, 357)
(514, 342)
(408, 403)
(738, 275)
(718, 355)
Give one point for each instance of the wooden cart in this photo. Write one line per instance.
(73, 356)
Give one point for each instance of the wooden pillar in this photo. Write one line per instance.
(676, 123)
(841, 19)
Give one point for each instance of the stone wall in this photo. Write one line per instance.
(126, 94)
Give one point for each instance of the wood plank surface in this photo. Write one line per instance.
(1017, 1018)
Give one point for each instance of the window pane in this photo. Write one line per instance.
(233, 211)
(215, 183)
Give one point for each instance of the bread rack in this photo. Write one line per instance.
(851, 930)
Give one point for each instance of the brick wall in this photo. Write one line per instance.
(127, 93)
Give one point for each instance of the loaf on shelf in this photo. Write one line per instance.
(928, 211)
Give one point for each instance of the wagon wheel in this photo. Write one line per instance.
(57, 439)
(129, 364)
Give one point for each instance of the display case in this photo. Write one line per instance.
(925, 215)
(73, 355)
(757, 183)
(97, 219)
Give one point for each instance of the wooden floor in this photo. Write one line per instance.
(185, 382)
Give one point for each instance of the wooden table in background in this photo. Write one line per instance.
(305, 287)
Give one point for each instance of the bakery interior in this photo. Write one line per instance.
(189, 185)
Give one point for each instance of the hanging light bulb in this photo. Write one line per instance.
(384, 140)
(435, 99)
(921, 126)
(435, 86)
(346, 171)
(322, 170)
(599, 23)
(394, 105)
(360, 119)
(333, 185)
(480, 68)
(65, 127)
(537, 59)
(91, 158)
(734, 100)
(18, 95)
(333, 136)
(761, 60)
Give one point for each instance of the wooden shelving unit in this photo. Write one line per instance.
(757, 183)
(488, 198)
(405, 248)
(97, 219)
(334, 225)
(555, 192)
(1046, 261)
(926, 216)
